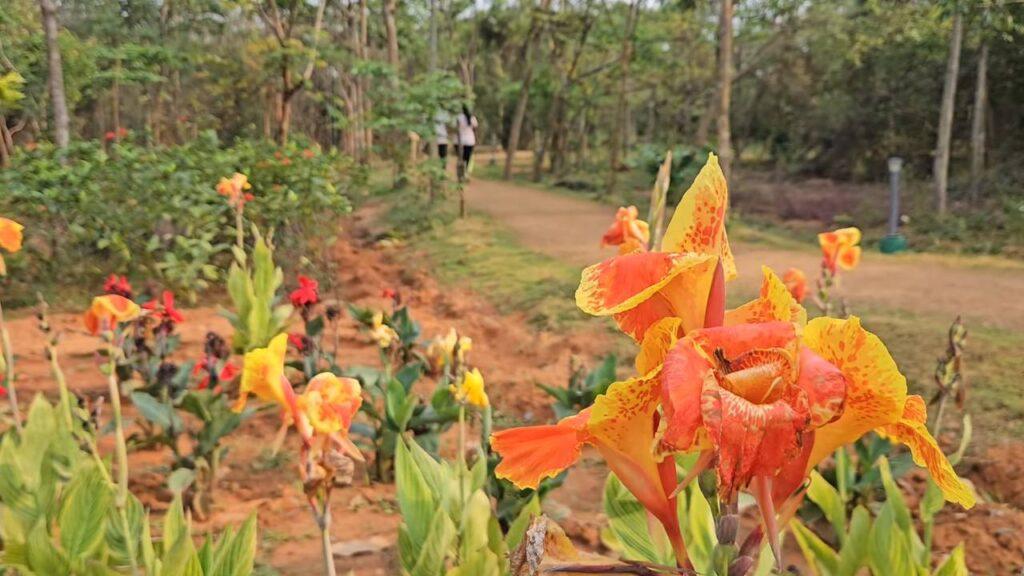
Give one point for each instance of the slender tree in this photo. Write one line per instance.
(940, 168)
(530, 48)
(58, 99)
(618, 139)
(725, 151)
(978, 121)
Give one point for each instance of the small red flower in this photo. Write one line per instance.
(118, 285)
(298, 341)
(307, 294)
(391, 294)
(308, 153)
(229, 372)
(3, 392)
(163, 310)
(122, 132)
(110, 136)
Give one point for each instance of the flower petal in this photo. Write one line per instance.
(262, 374)
(775, 303)
(10, 234)
(658, 340)
(698, 224)
(824, 385)
(533, 453)
(875, 389)
(643, 287)
(911, 430)
(622, 424)
(687, 370)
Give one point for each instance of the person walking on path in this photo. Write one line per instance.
(441, 120)
(467, 140)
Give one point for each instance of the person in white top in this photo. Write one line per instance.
(441, 120)
(467, 138)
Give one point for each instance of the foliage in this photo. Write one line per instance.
(154, 211)
(886, 543)
(256, 314)
(394, 407)
(62, 516)
(448, 527)
(583, 388)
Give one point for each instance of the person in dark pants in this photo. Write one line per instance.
(467, 140)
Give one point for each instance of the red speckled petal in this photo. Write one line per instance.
(911, 430)
(683, 378)
(698, 224)
(824, 385)
(775, 303)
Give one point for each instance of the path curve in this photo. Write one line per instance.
(570, 228)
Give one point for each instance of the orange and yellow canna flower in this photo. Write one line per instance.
(108, 311)
(10, 240)
(234, 189)
(326, 409)
(620, 425)
(628, 232)
(796, 283)
(640, 288)
(263, 376)
(840, 249)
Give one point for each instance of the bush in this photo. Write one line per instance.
(154, 211)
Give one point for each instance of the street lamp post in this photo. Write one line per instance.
(894, 241)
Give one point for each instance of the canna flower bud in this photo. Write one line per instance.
(752, 543)
(741, 566)
(726, 528)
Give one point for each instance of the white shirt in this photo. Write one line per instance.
(441, 127)
(467, 130)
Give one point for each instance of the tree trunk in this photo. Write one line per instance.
(58, 99)
(391, 29)
(618, 136)
(532, 42)
(978, 123)
(725, 152)
(940, 170)
(284, 111)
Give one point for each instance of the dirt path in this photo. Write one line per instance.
(570, 228)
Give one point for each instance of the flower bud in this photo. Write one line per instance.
(752, 543)
(726, 528)
(741, 566)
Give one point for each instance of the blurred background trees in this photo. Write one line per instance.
(826, 88)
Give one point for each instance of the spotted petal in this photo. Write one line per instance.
(641, 288)
(911, 430)
(775, 303)
(658, 340)
(875, 389)
(698, 224)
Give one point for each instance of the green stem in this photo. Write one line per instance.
(12, 394)
(461, 456)
(122, 456)
(324, 521)
(62, 385)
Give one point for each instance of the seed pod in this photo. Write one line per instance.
(726, 528)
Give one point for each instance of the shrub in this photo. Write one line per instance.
(155, 211)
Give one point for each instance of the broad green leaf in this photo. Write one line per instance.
(43, 557)
(628, 521)
(698, 527)
(827, 498)
(417, 497)
(854, 553)
(436, 547)
(518, 527)
(236, 552)
(894, 496)
(83, 513)
(955, 564)
(821, 558)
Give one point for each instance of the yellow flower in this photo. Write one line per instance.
(381, 333)
(263, 375)
(10, 239)
(447, 349)
(109, 310)
(471, 390)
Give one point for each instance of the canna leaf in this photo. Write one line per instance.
(820, 557)
(82, 519)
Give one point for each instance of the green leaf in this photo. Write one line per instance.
(894, 496)
(698, 527)
(856, 544)
(955, 564)
(517, 529)
(157, 412)
(417, 497)
(236, 553)
(399, 405)
(436, 547)
(180, 480)
(628, 521)
(83, 513)
(817, 553)
(827, 498)
(43, 557)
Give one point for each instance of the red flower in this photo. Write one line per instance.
(228, 373)
(306, 294)
(110, 136)
(308, 153)
(122, 132)
(118, 285)
(3, 392)
(163, 310)
(298, 341)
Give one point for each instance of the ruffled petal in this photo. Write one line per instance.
(824, 385)
(775, 303)
(875, 389)
(262, 374)
(687, 371)
(658, 340)
(533, 453)
(752, 439)
(734, 341)
(911, 430)
(698, 224)
(643, 287)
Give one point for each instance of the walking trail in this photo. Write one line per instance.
(568, 228)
